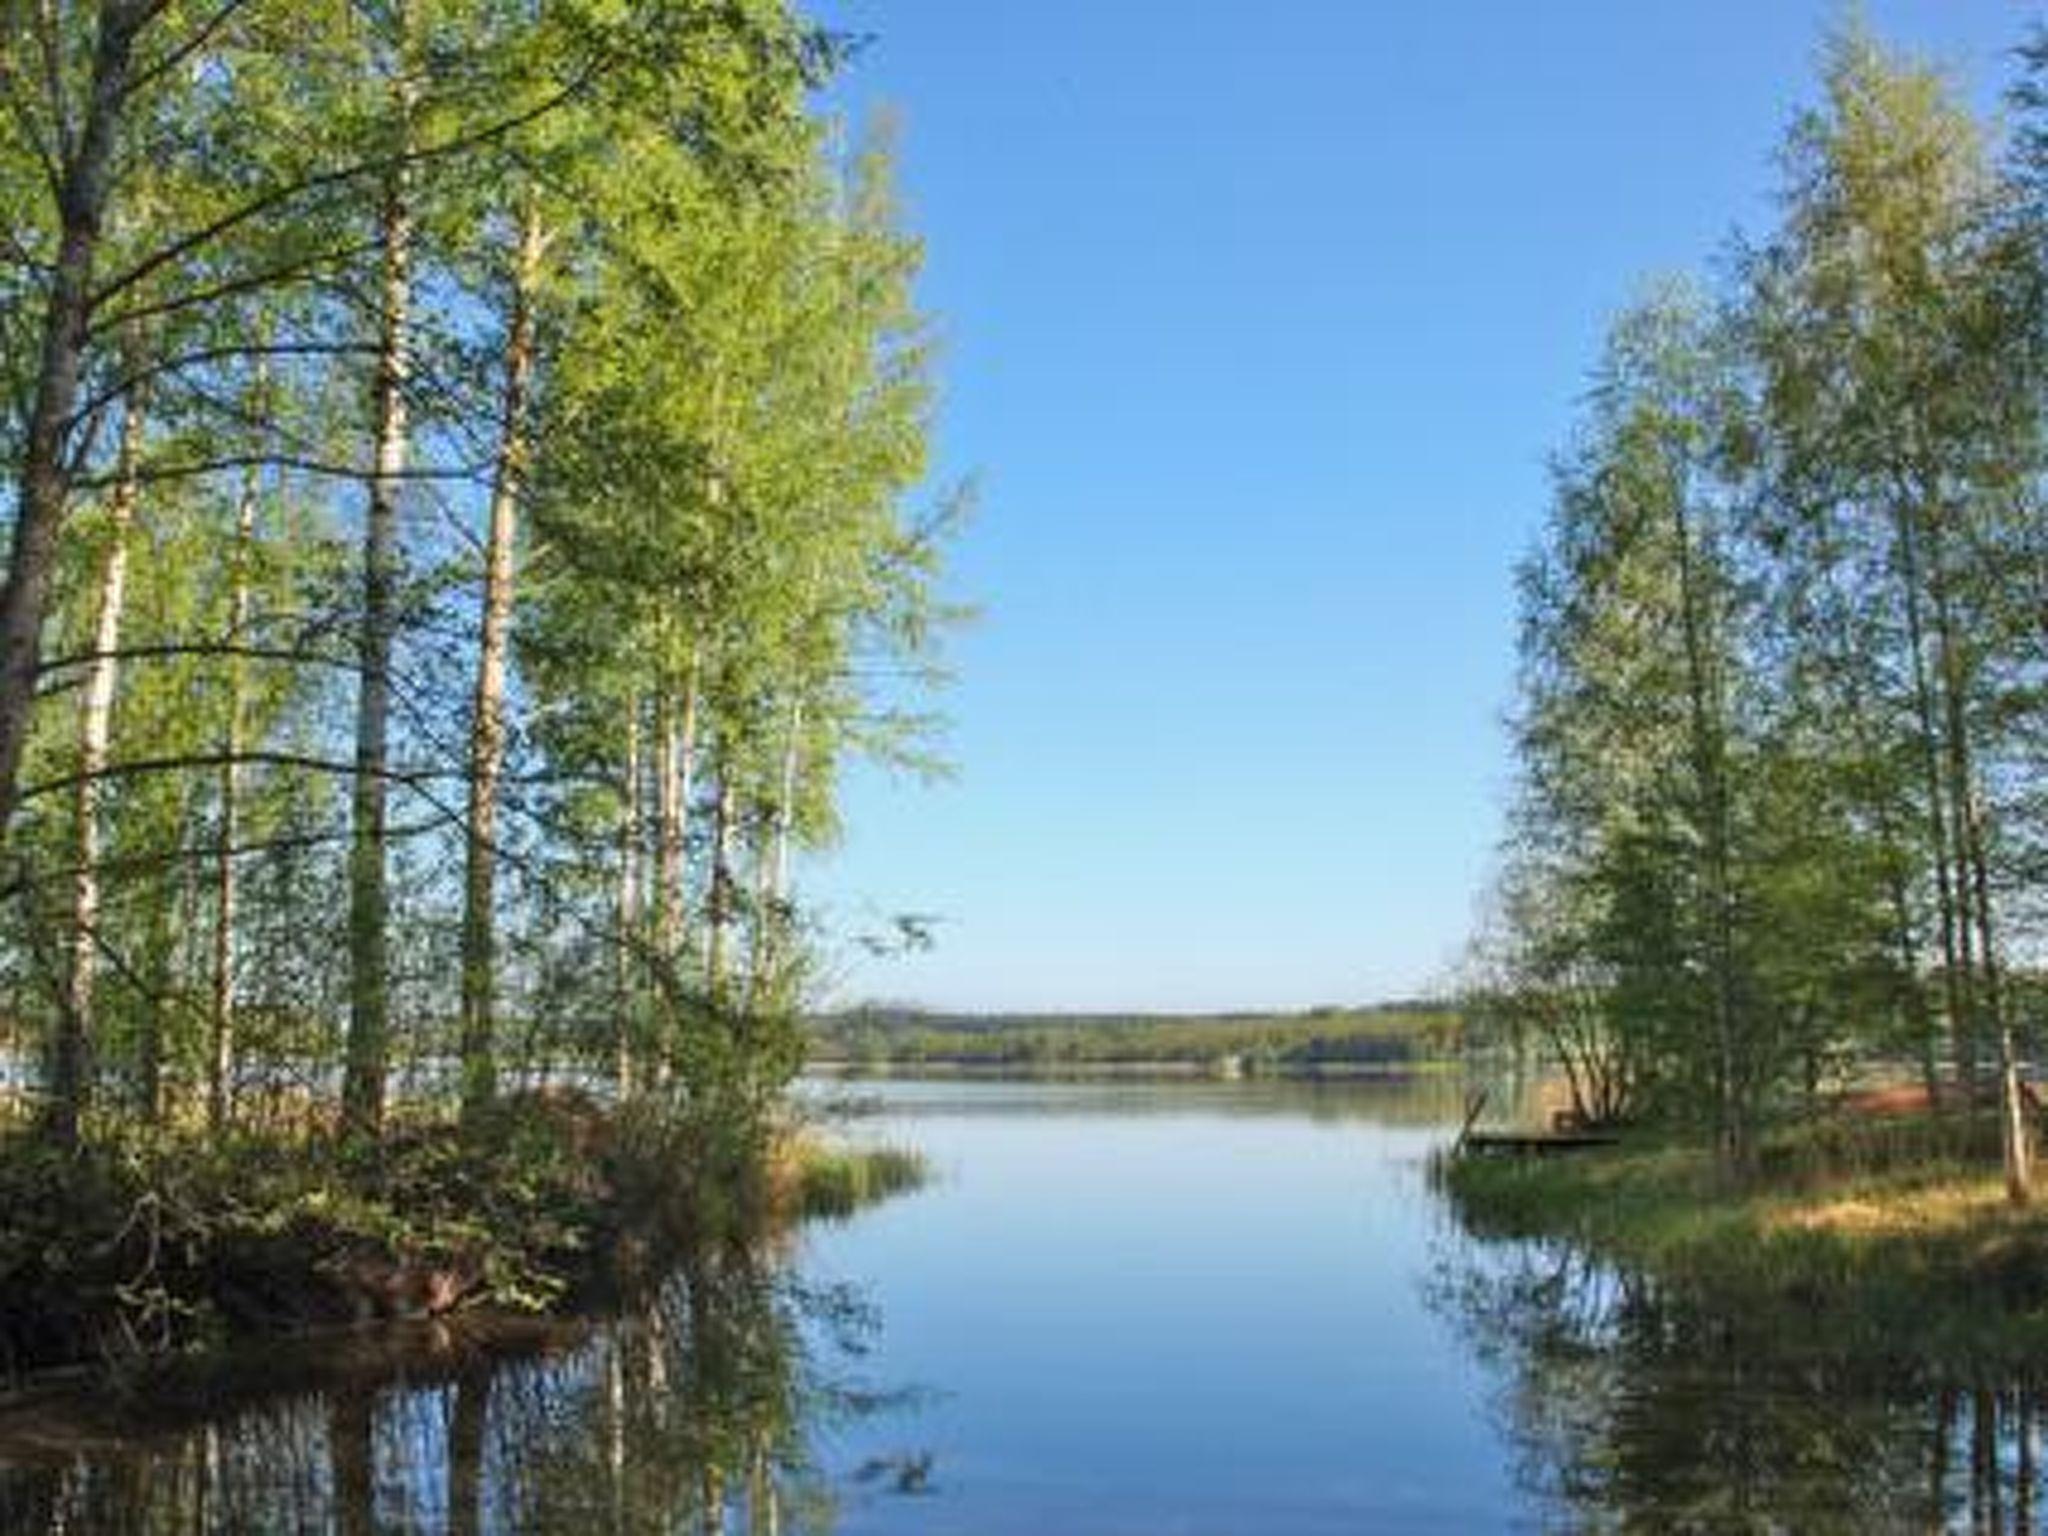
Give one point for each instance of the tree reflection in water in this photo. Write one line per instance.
(692, 1413)
(1633, 1406)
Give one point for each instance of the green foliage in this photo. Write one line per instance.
(1779, 711)
(722, 421)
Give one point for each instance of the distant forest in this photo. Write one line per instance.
(1332, 1038)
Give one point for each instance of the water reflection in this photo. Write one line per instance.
(1417, 1099)
(1153, 1309)
(697, 1412)
(1629, 1406)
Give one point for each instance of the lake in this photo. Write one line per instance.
(1126, 1307)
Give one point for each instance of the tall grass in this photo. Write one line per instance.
(833, 1182)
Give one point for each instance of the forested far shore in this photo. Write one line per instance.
(1328, 1039)
(1779, 724)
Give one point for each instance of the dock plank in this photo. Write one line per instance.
(1534, 1143)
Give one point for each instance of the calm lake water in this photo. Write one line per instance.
(1159, 1308)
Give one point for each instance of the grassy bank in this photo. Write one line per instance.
(1889, 1236)
(137, 1248)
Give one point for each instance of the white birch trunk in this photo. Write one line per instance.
(369, 980)
(71, 1069)
(487, 731)
(627, 955)
(220, 1055)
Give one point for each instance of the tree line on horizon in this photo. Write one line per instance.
(1397, 1033)
(1780, 718)
(460, 456)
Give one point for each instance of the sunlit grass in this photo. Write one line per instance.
(1932, 1210)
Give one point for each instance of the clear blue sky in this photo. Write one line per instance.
(1259, 321)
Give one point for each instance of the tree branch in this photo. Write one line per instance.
(121, 386)
(248, 282)
(264, 202)
(170, 650)
(140, 767)
(142, 79)
(307, 466)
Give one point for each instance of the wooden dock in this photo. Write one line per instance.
(1533, 1143)
(1565, 1135)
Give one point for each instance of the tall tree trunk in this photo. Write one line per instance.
(671, 806)
(759, 844)
(1974, 882)
(785, 806)
(2015, 1138)
(369, 959)
(1708, 730)
(70, 1057)
(676, 765)
(771, 893)
(719, 903)
(220, 1052)
(1955, 992)
(1894, 840)
(43, 479)
(627, 954)
(1926, 1037)
(669, 810)
(172, 914)
(1974, 889)
(487, 732)
(1956, 760)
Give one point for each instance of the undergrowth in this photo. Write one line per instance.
(141, 1246)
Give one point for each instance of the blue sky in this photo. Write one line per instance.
(1258, 323)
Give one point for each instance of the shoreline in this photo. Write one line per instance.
(1112, 1069)
(1890, 1237)
(131, 1257)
